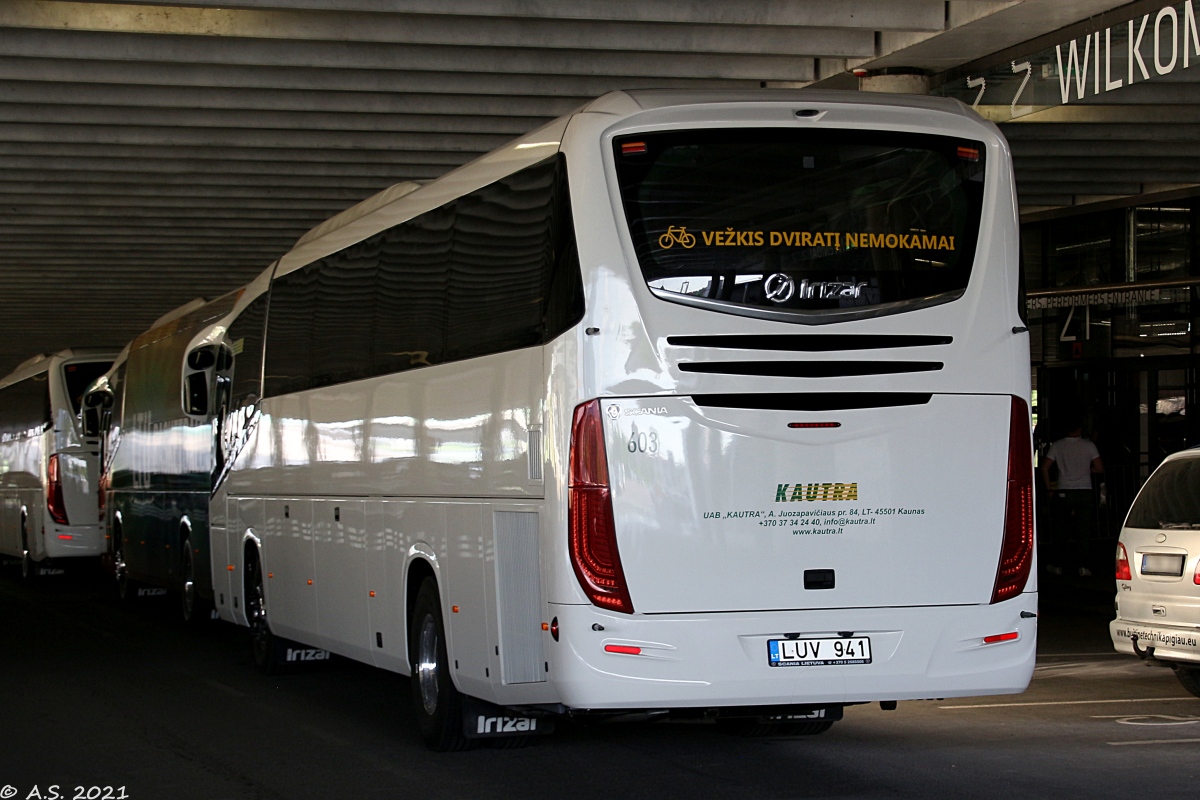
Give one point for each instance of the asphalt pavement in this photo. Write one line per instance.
(94, 694)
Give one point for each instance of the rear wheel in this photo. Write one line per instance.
(196, 610)
(262, 641)
(1189, 677)
(29, 569)
(437, 701)
(125, 589)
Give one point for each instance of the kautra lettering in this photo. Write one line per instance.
(815, 492)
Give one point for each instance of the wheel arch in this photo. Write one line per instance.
(419, 568)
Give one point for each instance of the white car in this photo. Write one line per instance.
(1158, 571)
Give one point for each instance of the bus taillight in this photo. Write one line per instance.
(593, 536)
(54, 492)
(1016, 556)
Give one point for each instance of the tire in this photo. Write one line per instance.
(126, 591)
(1189, 677)
(29, 569)
(262, 642)
(195, 609)
(436, 700)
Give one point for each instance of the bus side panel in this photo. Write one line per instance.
(220, 557)
(387, 547)
(340, 575)
(452, 430)
(470, 631)
(288, 567)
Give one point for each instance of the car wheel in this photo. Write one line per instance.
(196, 610)
(437, 701)
(1189, 677)
(262, 641)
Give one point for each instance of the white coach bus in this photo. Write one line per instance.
(695, 404)
(48, 469)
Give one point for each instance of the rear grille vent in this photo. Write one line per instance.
(536, 455)
(812, 401)
(809, 369)
(813, 343)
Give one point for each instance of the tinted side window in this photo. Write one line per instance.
(25, 407)
(246, 340)
(492, 271)
(503, 251)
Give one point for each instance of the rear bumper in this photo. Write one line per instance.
(84, 541)
(713, 660)
(1169, 643)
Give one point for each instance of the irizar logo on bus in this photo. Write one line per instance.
(780, 288)
(306, 654)
(484, 725)
(813, 492)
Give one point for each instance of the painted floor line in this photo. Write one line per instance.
(1073, 702)
(1156, 741)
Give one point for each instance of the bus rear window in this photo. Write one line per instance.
(79, 375)
(1170, 499)
(805, 226)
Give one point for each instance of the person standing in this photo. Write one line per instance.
(1077, 460)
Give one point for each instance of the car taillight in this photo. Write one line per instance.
(593, 537)
(54, 492)
(1016, 555)
(1123, 573)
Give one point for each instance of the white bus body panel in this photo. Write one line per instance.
(724, 509)
(429, 461)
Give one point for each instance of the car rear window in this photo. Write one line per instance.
(802, 225)
(1170, 499)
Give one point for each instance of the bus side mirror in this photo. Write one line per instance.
(97, 410)
(203, 366)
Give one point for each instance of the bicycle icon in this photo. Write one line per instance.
(676, 235)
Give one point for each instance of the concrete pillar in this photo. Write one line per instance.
(896, 84)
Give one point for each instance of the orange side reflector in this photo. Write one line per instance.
(372, 594)
(454, 609)
(270, 574)
(230, 568)
(1001, 637)
(545, 626)
(310, 581)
